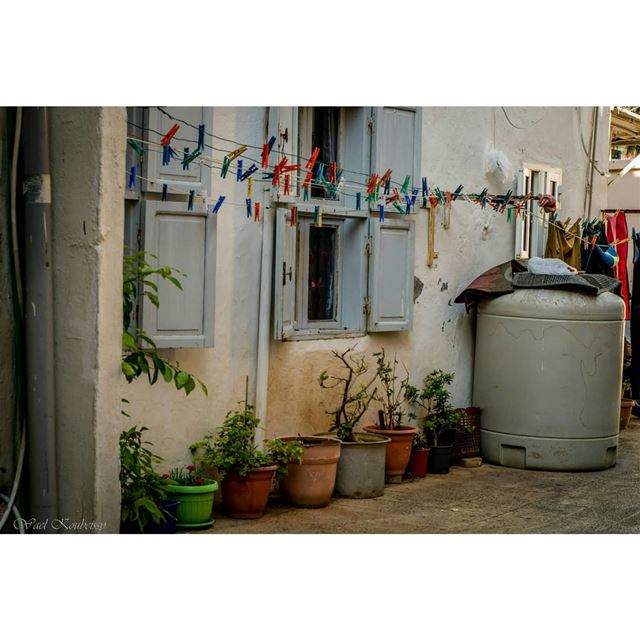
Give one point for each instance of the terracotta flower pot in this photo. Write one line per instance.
(246, 496)
(311, 482)
(398, 450)
(626, 405)
(417, 467)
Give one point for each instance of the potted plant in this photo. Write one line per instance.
(144, 504)
(417, 467)
(440, 418)
(310, 481)
(626, 404)
(246, 472)
(361, 466)
(194, 495)
(390, 417)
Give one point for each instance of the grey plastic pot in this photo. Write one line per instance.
(361, 466)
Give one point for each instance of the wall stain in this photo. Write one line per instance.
(418, 286)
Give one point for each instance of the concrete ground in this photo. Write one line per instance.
(488, 499)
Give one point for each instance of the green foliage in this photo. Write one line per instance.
(435, 399)
(626, 388)
(185, 477)
(142, 489)
(356, 395)
(137, 361)
(393, 393)
(233, 447)
(420, 441)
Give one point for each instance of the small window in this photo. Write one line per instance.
(324, 136)
(323, 273)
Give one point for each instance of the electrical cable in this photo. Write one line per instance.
(584, 147)
(515, 126)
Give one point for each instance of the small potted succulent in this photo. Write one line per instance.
(145, 507)
(440, 419)
(390, 417)
(194, 495)
(626, 404)
(417, 467)
(245, 471)
(361, 466)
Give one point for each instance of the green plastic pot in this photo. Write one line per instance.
(195, 504)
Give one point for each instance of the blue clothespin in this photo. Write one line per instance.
(217, 205)
(250, 171)
(381, 214)
(316, 211)
(239, 171)
(190, 205)
(358, 201)
(201, 137)
(387, 187)
(167, 154)
(185, 163)
(414, 195)
(164, 192)
(408, 201)
(425, 192)
(132, 177)
(320, 171)
(248, 201)
(272, 141)
(457, 192)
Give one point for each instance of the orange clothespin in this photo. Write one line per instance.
(256, 217)
(313, 158)
(385, 177)
(287, 184)
(372, 183)
(238, 152)
(593, 241)
(294, 216)
(307, 180)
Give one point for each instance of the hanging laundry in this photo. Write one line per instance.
(564, 244)
(635, 319)
(617, 235)
(594, 233)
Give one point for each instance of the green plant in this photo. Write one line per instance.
(356, 396)
(184, 476)
(435, 399)
(626, 389)
(142, 489)
(233, 447)
(136, 360)
(420, 441)
(393, 393)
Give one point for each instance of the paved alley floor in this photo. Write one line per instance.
(488, 499)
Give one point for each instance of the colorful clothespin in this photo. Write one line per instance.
(294, 216)
(238, 152)
(483, 198)
(358, 201)
(166, 139)
(248, 203)
(167, 154)
(238, 170)
(554, 218)
(457, 192)
(385, 177)
(373, 181)
(434, 201)
(594, 239)
(266, 150)
(287, 184)
(256, 217)
(319, 171)
(307, 179)
(201, 137)
(189, 157)
(164, 193)
(312, 160)
(398, 207)
(387, 186)
(320, 214)
(394, 197)
(332, 172)
(405, 185)
(407, 200)
(509, 214)
(190, 204)
(425, 192)
(316, 212)
(248, 173)
(446, 220)
(217, 205)
(381, 213)
(305, 192)
(132, 177)
(414, 195)
(225, 167)
(439, 194)
(135, 145)
(505, 201)
(249, 184)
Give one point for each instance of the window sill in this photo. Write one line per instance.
(327, 334)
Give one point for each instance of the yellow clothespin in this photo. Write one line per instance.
(249, 186)
(238, 152)
(320, 212)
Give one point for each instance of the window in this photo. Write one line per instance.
(531, 228)
(180, 238)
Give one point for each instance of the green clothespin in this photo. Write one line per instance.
(397, 207)
(405, 185)
(225, 167)
(439, 194)
(187, 160)
(509, 214)
(554, 218)
(305, 193)
(136, 146)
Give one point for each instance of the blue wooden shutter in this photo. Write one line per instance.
(391, 267)
(184, 240)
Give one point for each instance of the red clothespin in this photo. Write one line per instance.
(307, 180)
(278, 170)
(313, 158)
(332, 172)
(287, 184)
(394, 197)
(294, 215)
(385, 177)
(256, 216)
(291, 167)
(372, 183)
(593, 242)
(166, 139)
(434, 201)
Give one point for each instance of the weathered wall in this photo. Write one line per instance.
(454, 147)
(87, 169)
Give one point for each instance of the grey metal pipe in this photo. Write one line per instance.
(38, 312)
(593, 157)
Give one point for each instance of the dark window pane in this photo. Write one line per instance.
(322, 272)
(324, 135)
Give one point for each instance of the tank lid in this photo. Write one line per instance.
(555, 304)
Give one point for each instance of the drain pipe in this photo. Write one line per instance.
(266, 287)
(38, 315)
(593, 157)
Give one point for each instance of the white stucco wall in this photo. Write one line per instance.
(454, 146)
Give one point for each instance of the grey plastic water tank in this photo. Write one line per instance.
(548, 375)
